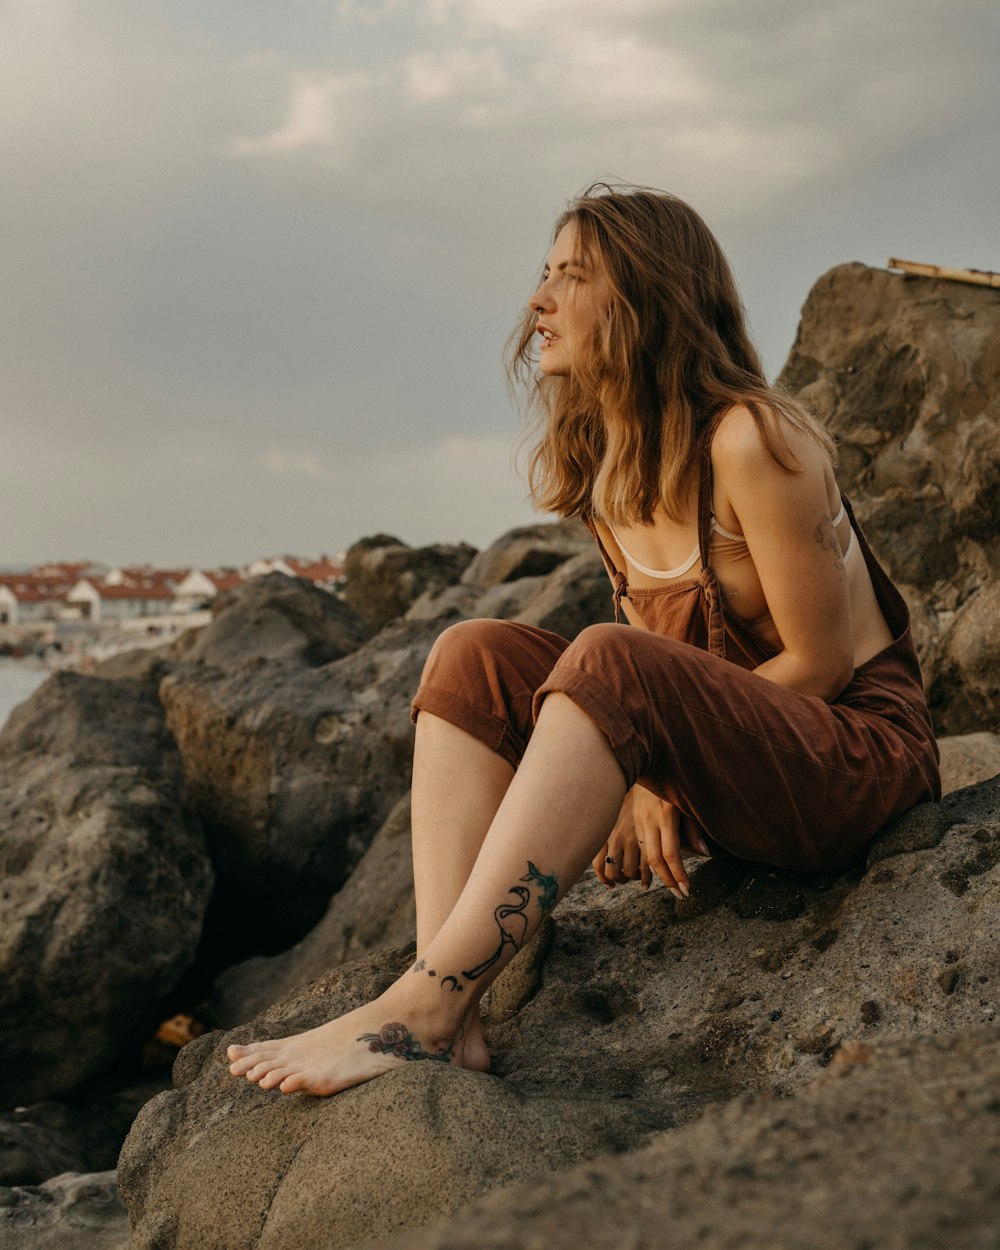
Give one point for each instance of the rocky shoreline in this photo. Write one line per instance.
(783, 1060)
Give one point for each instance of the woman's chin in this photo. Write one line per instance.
(552, 367)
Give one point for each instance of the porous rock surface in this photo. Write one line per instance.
(69, 1212)
(968, 758)
(896, 1145)
(905, 372)
(105, 879)
(528, 551)
(293, 769)
(384, 575)
(635, 1013)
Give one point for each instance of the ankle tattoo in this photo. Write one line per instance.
(396, 1039)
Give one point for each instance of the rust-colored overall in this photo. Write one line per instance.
(770, 774)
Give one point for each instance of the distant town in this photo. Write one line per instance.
(69, 613)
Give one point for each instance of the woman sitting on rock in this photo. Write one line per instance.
(766, 701)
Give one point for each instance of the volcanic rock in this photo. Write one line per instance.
(642, 1012)
(105, 879)
(905, 372)
(69, 1212)
(384, 575)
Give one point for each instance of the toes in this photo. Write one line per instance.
(260, 1070)
(276, 1075)
(241, 1066)
(292, 1084)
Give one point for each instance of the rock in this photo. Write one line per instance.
(576, 595)
(410, 1139)
(375, 909)
(277, 617)
(293, 770)
(384, 575)
(888, 1124)
(906, 374)
(968, 758)
(640, 1013)
(45, 1139)
(529, 551)
(70, 1212)
(106, 880)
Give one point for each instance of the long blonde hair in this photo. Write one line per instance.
(621, 434)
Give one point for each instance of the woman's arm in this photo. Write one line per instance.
(785, 518)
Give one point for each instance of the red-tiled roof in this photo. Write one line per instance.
(133, 592)
(31, 584)
(39, 596)
(315, 570)
(224, 581)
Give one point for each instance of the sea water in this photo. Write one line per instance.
(18, 680)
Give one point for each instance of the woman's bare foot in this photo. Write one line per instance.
(347, 1051)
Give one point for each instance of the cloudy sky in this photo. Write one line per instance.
(258, 260)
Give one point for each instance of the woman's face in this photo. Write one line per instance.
(571, 299)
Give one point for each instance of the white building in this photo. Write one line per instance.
(101, 602)
(201, 586)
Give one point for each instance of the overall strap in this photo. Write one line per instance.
(705, 505)
(715, 623)
(618, 578)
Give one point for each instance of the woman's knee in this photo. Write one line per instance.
(608, 643)
(465, 645)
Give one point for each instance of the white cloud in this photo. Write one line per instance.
(621, 76)
(560, 17)
(438, 75)
(321, 113)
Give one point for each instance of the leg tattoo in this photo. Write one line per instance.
(510, 917)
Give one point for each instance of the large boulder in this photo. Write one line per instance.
(384, 575)
(277, 617)
(636, 1013)
(106, 879)
(273, 617)
(905, 372)
(293, 770)
(896, 1144)
(528, 551)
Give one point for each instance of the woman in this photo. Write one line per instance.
(767, 701)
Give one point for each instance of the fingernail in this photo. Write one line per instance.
(676, 893)
(684, 889)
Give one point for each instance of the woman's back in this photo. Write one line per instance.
(818, 546)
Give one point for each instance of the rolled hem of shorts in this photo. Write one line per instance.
(603, 709)
(490, 730)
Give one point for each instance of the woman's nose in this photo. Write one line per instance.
(541, 300)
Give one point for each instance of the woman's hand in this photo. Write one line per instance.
(648, 838)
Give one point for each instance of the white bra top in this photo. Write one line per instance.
(692, 558)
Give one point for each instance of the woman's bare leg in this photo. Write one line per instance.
(458, 783)
(556, 812)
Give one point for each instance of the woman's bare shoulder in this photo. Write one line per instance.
(739, 445)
